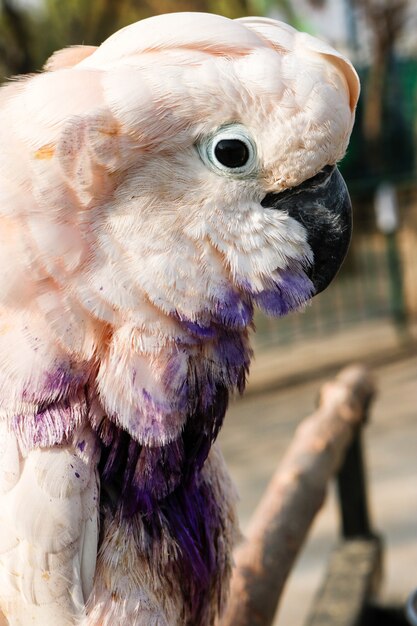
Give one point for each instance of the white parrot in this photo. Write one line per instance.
(152, 191)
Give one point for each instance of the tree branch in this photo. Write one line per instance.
(294, 496)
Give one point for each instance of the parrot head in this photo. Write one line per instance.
(226, 189)
(236, 189)
(200, 154)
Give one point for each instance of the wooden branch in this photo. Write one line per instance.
(294, 496)
(353, 576)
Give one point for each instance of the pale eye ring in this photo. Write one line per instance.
(230, 151)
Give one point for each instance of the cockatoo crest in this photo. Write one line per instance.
(133, 250)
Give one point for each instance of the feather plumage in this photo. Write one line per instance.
(131, 265)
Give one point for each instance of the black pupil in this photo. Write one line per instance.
(232, 152)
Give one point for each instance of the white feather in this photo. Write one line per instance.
(49, 531)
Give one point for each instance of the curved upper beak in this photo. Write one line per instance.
(322, 205)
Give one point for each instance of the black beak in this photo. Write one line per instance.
(322, 205)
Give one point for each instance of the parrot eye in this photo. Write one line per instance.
(229, 151)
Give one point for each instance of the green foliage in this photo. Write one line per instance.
(362, 167)
(15, 39)
(30, 33)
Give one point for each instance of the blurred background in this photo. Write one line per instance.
(369, 313)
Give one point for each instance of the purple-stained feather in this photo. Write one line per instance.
(288, 293)
(163, 484)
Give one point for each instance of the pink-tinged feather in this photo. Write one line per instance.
(68, 57)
